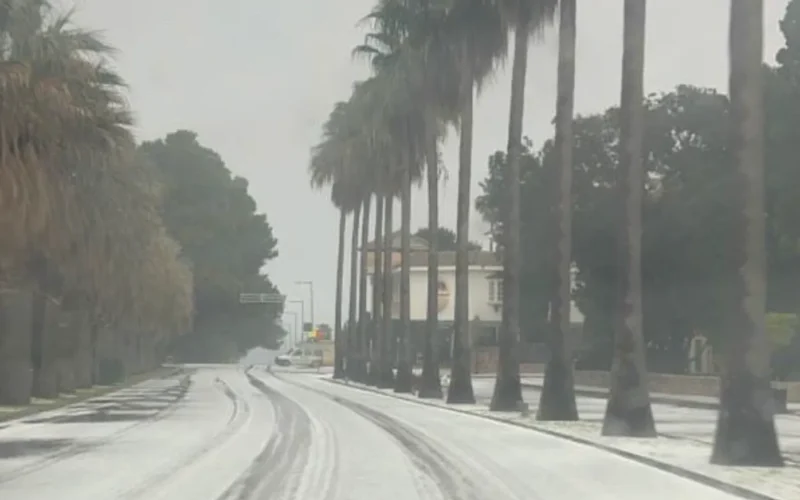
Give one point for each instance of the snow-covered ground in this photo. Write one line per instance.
(684, 445)
(294, 436)
(694, 424)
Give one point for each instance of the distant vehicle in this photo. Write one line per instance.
(301, 358)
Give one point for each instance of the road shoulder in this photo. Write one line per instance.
(37, 406)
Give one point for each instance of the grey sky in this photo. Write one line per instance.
(256, 80)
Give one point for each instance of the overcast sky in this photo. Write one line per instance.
(256, 79)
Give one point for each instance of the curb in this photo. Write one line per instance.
(678, 471)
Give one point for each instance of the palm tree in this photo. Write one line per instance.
(406, 37)
(53, 94)
(81, 228)
(377, 361)
(745, 432)
(430, 383)
(335, 160)
(351, 350)
(386, 377)
(628, 411)
(363, 320)
(405, 358)
(402, 123)
(338, 353)
(477, 32)
(527, 16)
(557, 399)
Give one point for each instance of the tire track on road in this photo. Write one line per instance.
(450, 479)
(79, 448)
(272, 474)
(240, 411)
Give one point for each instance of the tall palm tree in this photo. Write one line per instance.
(403, 128)
(745, 432)
(386, 377)
(405, 358)
(352, 359)
(338, 335)
(628, 411)
(527, 16)
(375, 145)
(406, 38)
(67, 146)
(557, 399)
(336, 161)
(430, 384)
(54, 106)
(363, 319)
(378, 338)
(478, 35)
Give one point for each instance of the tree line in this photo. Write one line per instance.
(428, 57)
(101, 269)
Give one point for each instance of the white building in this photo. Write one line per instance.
(485, 287)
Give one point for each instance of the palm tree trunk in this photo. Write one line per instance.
(745, 432)
(507, 387)
(43, 347)
(376, 351)
(557, 399)
(460, 390)
(405, 357)
(363, 320)
(84, 359)
(386, 379)
(94, 340)
(338, 340)
(431, 386)
(351, 359)
(66, 342)
(16, 368)
(628, 412)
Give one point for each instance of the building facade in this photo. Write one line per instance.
(485, 293)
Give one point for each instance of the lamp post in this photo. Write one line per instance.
(289, 327)
(294, 332)
(310, 285)
(302, 311)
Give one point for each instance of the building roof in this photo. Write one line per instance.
(479, 258)
(417, 243)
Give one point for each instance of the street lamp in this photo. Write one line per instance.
(310, 285)
(289, 327)
(302, 310)
(294, 333)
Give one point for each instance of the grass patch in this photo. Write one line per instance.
(39, 405)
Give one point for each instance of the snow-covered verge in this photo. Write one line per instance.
(685, 456)
(39, 405)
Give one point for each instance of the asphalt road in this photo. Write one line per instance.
(220, 434)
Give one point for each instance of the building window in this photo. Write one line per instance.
(495, 291)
